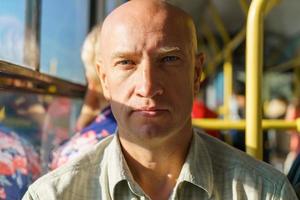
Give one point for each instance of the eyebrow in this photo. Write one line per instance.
(165, 50)
(123, 54)
(161, 50)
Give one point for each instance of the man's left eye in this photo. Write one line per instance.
(170, 58)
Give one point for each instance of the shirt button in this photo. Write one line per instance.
(134, 198)
(143, 198)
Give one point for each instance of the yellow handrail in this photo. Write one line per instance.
(240, 36)
(208, 34)
(212, 43)
(218, 22)
(294, 62)
(230, 47)
(254, 49)
(220, 124)
(270, 5)
(227, 66)
(244, 5)
(254, 60)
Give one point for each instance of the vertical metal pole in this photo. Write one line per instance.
(32, 34)
(227, 66)
(212, 43)
(100, 10)
(296, 82)
(254, 60)
(93, 14)
(244, 5)
(228, 82)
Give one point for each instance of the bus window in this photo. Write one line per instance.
(12, 31)
(61, 42)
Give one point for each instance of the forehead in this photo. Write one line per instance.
(137, 35)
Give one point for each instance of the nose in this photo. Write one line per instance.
(148, 82)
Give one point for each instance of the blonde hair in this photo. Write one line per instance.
(88, 53)
(94, 100)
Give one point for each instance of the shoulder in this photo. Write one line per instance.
(227, 157)
(235, 169)
(74, 179)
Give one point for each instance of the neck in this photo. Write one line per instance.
(160, 164)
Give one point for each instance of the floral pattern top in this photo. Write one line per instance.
(104, 125)
(19, 165)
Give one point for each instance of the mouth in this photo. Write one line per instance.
(150, 111)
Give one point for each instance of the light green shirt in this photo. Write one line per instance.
(212, 170)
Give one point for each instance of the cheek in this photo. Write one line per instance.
(183, 81)
(181, 87)
(118, 111)
(120, 86)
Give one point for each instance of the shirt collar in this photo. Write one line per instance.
(197, 168)
(118, 169)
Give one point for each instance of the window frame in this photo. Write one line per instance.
(33, 81)
(36, 82)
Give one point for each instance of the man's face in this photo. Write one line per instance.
(148, 76)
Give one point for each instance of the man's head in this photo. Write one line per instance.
(149, 68)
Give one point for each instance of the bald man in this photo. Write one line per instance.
(150, 71)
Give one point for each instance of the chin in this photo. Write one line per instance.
(153, 132)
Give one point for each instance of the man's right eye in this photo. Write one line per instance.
(125, 62)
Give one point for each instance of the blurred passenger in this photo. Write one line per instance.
(278, 140)
(292, 162)
(94, 101)
(238, 106)
(200, 110)
(19, 165)
(293, 112)
(91, 126)
(294, 174)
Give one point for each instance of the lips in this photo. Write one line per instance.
(150, 111)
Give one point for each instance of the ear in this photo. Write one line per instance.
(199, 61)
(101, 72)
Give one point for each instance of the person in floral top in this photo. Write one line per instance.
(91, 126)
(104, 125)
(19, 165)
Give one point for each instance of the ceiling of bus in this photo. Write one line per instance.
(283, 19)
